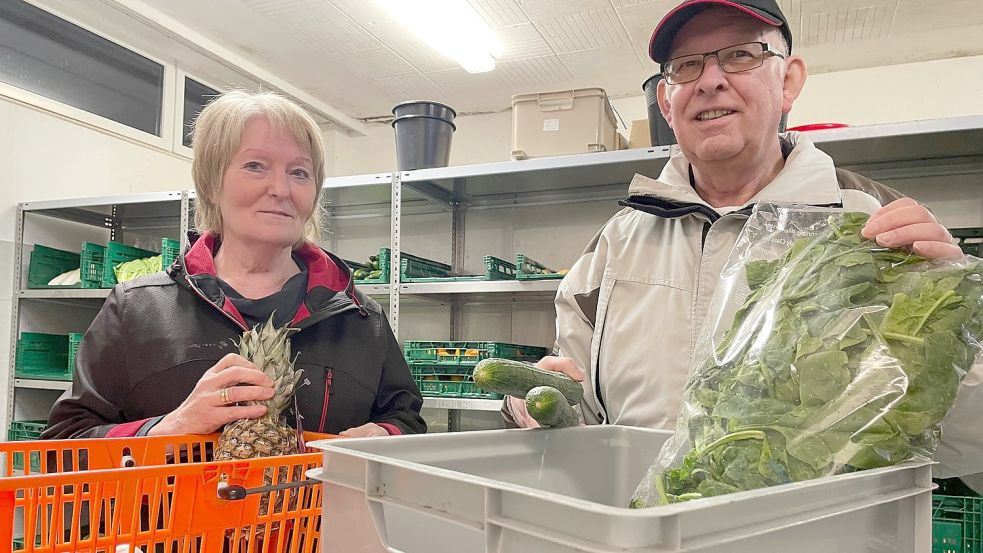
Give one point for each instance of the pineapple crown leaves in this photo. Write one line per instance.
(268, 348)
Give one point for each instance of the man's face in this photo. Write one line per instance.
(721, 115)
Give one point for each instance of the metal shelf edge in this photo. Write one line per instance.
(42, 384)
(68, 293)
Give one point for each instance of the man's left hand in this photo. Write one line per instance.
(906, 223)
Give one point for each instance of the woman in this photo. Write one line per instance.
(160, 356)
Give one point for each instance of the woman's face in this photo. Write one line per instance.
(268, 189)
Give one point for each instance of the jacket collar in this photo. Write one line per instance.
(808, 177)
(330, 285)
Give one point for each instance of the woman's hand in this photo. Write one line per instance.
(207, 409)
(367, 430)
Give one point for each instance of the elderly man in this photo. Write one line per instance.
(629, 312)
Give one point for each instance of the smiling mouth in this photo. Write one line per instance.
(713, 114)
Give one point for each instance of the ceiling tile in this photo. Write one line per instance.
(846, 24)
(522, 41)
(421, 56)
(533, 72)
(320, 25)
(373, 63)
(917, 15)
(402, 88)
(583, 30)
(500, 13)
(540, 9)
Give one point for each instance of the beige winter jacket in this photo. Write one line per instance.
(630, 310)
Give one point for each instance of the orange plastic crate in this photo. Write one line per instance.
(153, 494)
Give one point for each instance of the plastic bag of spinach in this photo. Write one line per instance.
(824, 354)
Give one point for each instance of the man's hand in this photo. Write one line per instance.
(517, 405)
(563, 365)
(906, 223)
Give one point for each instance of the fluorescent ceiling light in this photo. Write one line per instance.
(451, 27)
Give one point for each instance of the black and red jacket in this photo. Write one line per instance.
(156, 335)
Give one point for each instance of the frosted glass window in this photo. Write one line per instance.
(196, 95)
(59, 60)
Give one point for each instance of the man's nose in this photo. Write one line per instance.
(713, 77)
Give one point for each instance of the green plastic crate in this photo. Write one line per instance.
(495, 269)
(448, 381)
(26, 430)
(117, 253)
(74, 339)
(527, 268)
(468, 353)
(93, 258)
(170, 249)
(498, 269)
(47, 263)
(42, 356)
(384, 256)
(957, 524)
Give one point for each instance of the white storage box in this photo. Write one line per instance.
(562, 123)
(551, 491)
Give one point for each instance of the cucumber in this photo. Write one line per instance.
(360, 274)
(549, 407)
(374, 275)
(515, 378)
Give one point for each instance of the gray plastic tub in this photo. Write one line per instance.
(551, 491)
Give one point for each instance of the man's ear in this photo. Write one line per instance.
(660, 94)
(795, 78)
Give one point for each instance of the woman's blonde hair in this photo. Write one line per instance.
(216, 138)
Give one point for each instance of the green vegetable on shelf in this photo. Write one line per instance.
(138, 267)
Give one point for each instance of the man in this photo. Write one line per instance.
(629, 313)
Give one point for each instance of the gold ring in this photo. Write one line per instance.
(224, 394)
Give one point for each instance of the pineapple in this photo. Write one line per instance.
(269, 349)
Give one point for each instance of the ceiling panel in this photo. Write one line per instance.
(846, 25)
(373, 63)
(918, 15)
(521, 75)
(500, 13)
(585, 30)
(318, 24)
(400, 88)
(540, 9)
(522, 41)
(355, 55)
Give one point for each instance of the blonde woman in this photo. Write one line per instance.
(160, 356)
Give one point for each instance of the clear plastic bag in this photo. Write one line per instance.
(824, 353)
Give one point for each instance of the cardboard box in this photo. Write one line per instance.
(638, 134)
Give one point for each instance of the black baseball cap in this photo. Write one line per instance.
(766, 11)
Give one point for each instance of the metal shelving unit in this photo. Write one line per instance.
(117, 218)
(941, 147)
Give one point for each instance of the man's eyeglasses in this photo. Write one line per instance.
(732, 59)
